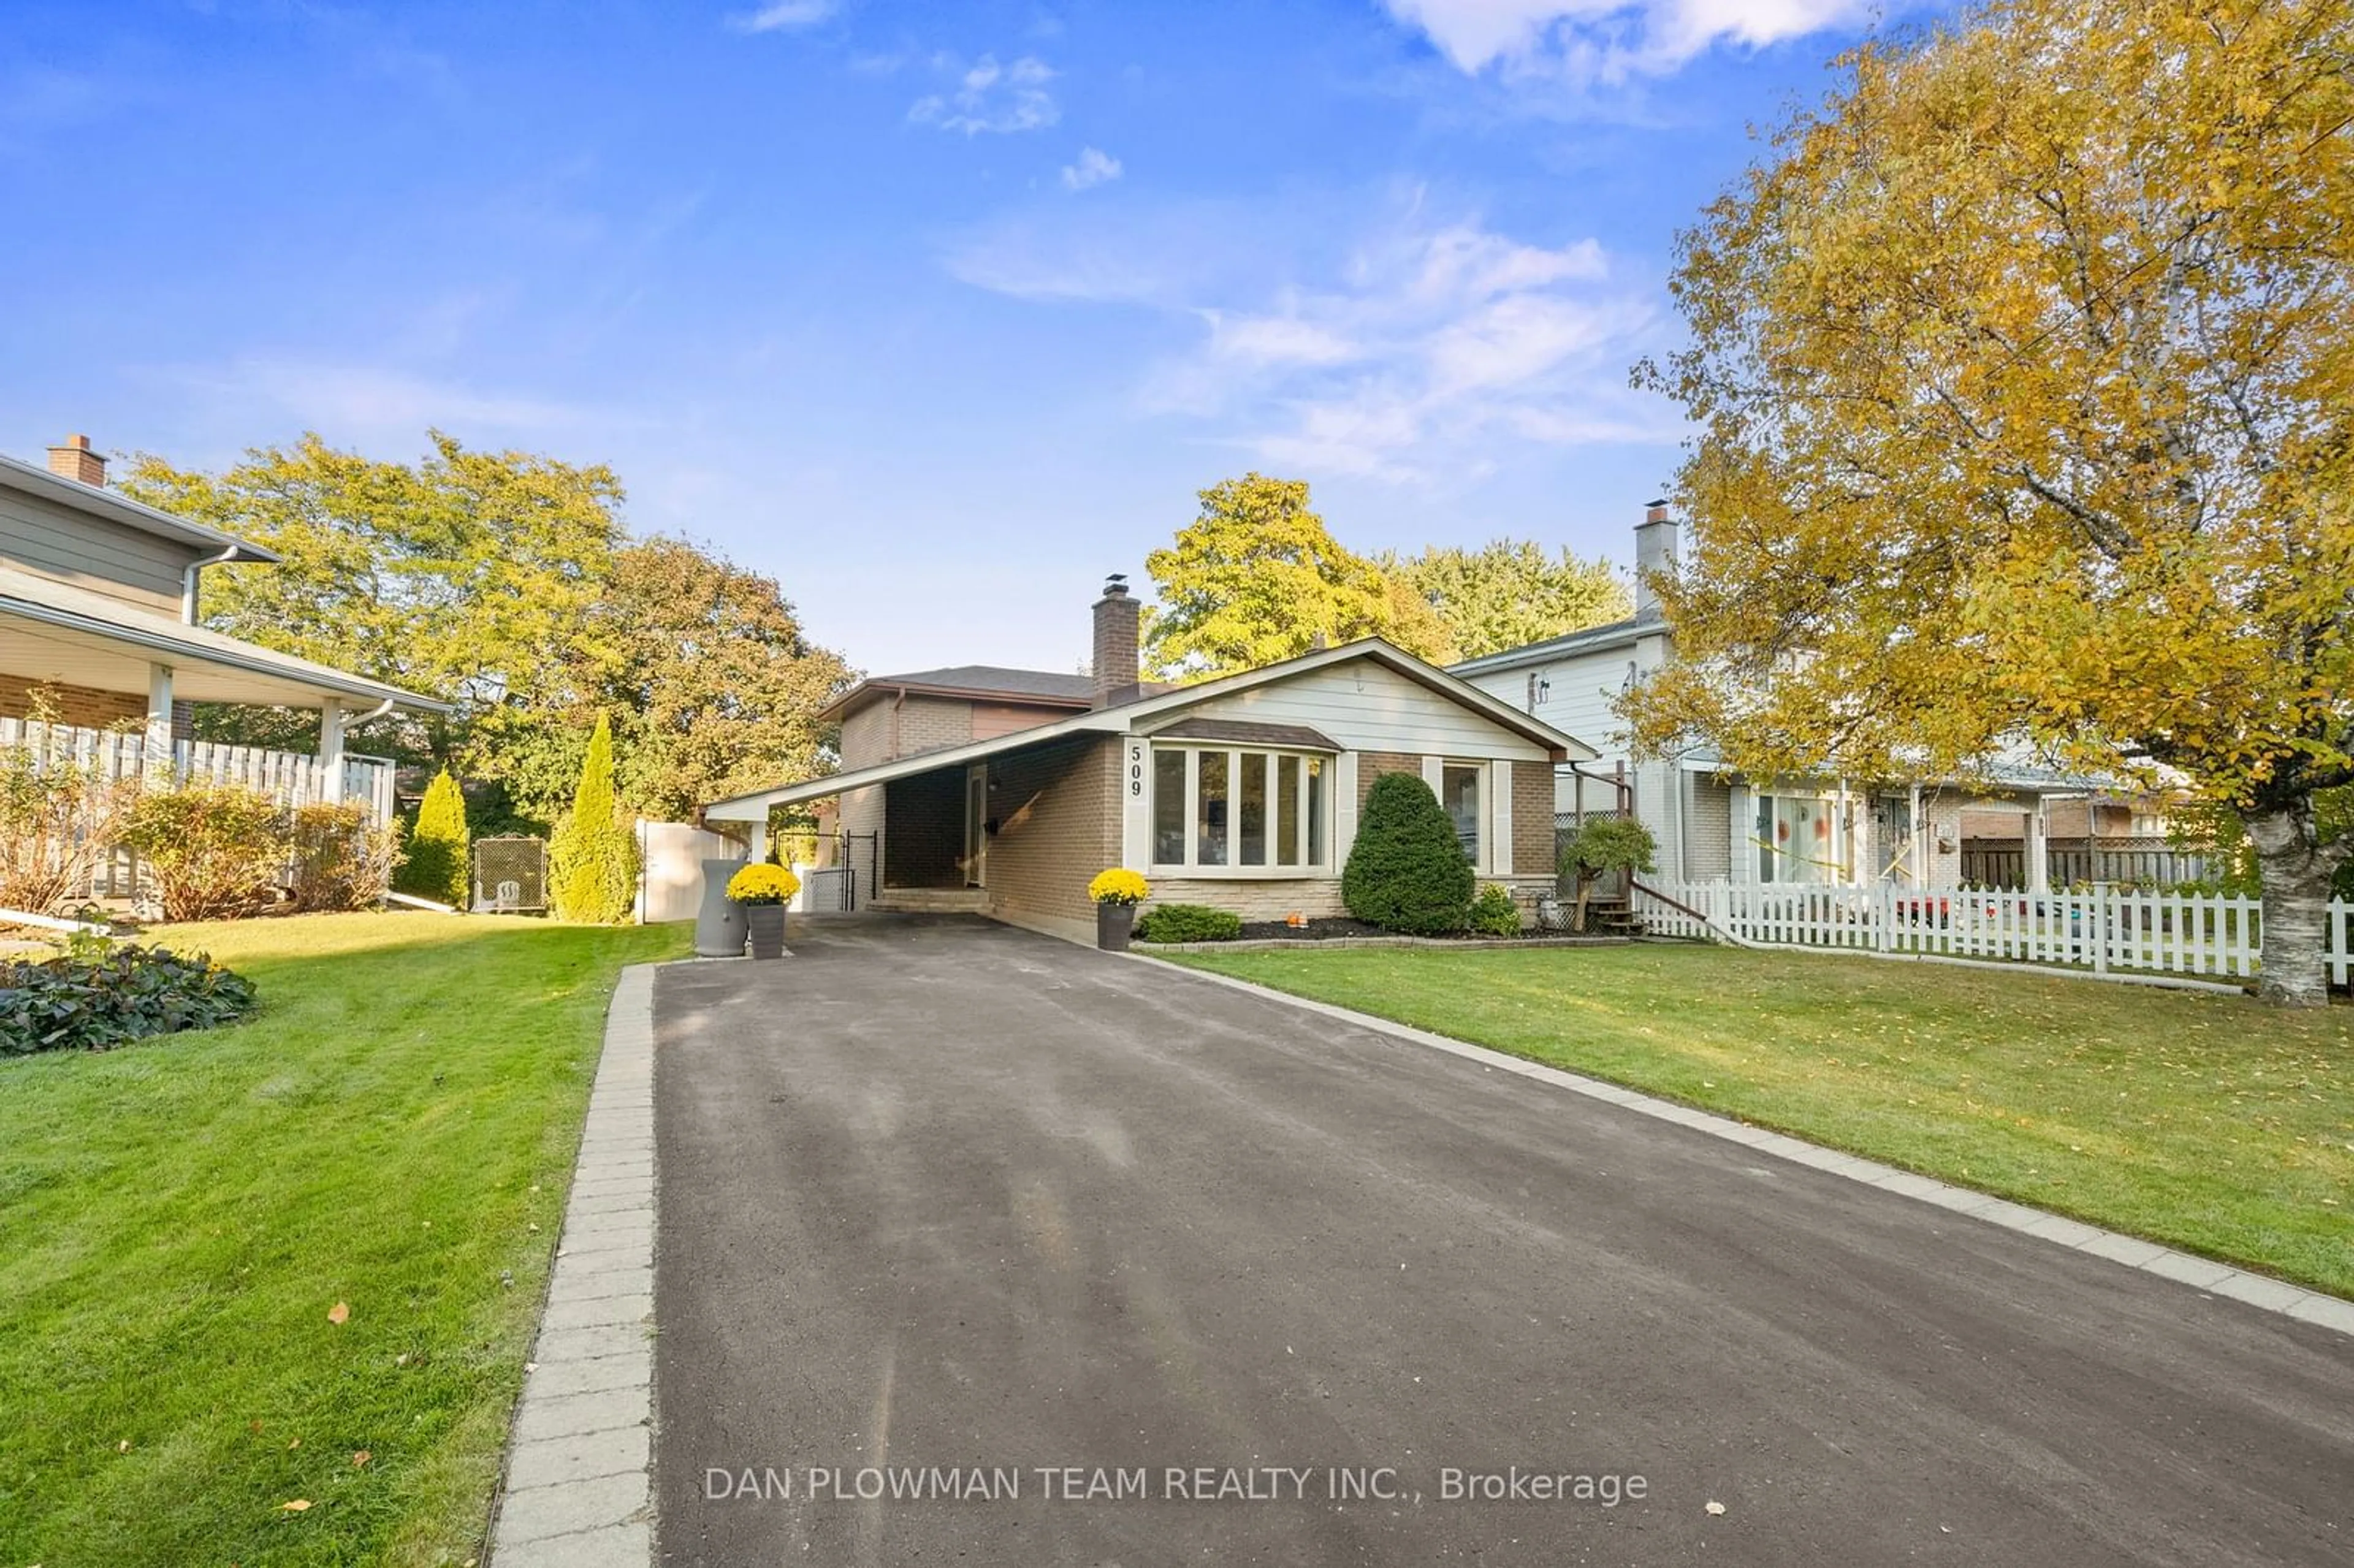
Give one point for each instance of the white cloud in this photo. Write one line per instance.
(1609, 40)
(1414, 352)
(784, 16)
(365, 402)
(990, 97)
(1095, 168)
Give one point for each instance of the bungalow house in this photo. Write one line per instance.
(1004, 792)
(1713, 824)
(99, 599)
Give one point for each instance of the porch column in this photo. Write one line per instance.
(331, 752)
(155, 750)
(2038, 848)
(758, 848)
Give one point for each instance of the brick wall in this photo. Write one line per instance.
(1058, 823)
(84, 707)
(1371, 765)
(867, 736)
(925, 843)
(928, 724)
(1532, 813)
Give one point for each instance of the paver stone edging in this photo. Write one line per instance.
(577, 1491)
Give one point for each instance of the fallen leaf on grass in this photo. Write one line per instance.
(360, 1459)
(340, 1312)
(297, 1506)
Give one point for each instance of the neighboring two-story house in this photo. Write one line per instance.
(1005, 791)
(99, 598)
(1713, 824)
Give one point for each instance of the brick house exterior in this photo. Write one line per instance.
(1005, 791)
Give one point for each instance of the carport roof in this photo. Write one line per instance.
(1124, 718)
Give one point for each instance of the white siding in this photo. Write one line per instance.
(92, 554)
(1576, 694)
(1364, 707)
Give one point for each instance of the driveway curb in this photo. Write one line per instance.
(578, 1485)
(2202, 1274)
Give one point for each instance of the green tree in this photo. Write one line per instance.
(717, 687)
(593, 857)
(2025, 390)
(1406, 870)
(1508, 593)
(1602, 845)
(467, 575)
(1255, 578)
(439, 852)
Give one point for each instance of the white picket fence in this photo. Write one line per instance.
(2102, 931)
(288, 778)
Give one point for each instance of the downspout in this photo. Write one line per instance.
(188, 582)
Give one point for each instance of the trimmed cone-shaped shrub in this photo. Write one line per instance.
(593, 856)
(1406, 870)
(439, 847)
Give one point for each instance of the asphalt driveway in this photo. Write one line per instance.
(941, 1200)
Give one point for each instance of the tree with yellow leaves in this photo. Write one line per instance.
(2024, 371)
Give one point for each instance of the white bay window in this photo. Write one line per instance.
(1242, 811)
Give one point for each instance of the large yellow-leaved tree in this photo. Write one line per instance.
(2024, 372)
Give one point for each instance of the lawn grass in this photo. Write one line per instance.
(2207, 1122)
(394, 1131)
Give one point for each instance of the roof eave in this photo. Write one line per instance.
(118, 508)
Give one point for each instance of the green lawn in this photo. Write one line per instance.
(2207, 1122)
(394, 1131)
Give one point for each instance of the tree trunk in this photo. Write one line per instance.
(2295, 868)
(1585, 892)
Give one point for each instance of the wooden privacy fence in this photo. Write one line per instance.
(291, 779)
(2102, 931)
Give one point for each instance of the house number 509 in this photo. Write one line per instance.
(1136, 770)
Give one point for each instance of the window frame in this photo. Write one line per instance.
(1313, 802)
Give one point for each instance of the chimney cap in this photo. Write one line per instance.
(1656, 511)
(79, 443)
(1114, 585)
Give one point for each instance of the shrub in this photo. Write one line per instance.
(1407, 871)
(761, 883)
(213, 850)
(1119, 886)
(340, 862)
(1188, 923)
(593, 856)
(96, 996)
(1604, 844)
(1493, 913)
(58, 818)
(439, 847)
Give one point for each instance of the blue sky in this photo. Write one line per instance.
(939, 314)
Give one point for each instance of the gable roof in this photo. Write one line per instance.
(984, 681)
(116, 507)
(1592, 640)
(1122, 717)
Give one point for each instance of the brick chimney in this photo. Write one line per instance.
(1655, 553)
(76, 462)
(1116, 617)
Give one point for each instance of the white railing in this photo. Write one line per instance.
(288, 778)
(2101, 931)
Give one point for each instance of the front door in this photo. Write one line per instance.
(976, 823)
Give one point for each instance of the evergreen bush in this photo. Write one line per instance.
(1493, 913)
(1188, 923)
(593, 857)
(440, 847)
(1407, 871)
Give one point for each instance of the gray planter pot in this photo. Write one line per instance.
(719, 924)
(1115, 923)
(766, 924)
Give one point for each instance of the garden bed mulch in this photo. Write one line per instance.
(1261, 936)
